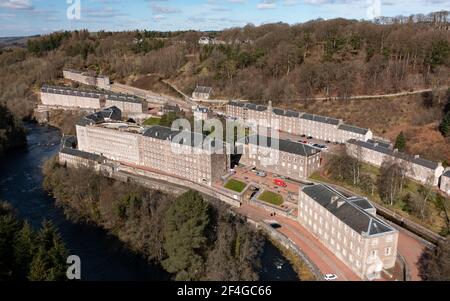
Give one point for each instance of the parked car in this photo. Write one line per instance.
(310, 137)
(261, 174)
(303, 136)
(330, 277)
(280, 183)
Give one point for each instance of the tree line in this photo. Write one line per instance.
(191, 238)
(29, 254)
(390, 184)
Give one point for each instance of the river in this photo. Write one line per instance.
(103, 256)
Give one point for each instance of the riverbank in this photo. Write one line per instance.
(138, 216)
(12, 133)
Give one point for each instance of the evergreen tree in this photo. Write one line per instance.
(24, 250)
(444, 128)
(184, 232)
(38, 267)
(400, 142)
(9, 226)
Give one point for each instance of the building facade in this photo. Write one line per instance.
(297, 123)
(201, 113)
(421, 170)
(294, 160)
(349, 228)
(155, 149)
(88, 78)
(202, 93)
(66, 97)
(445, 182)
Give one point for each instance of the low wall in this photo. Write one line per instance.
(287, 243)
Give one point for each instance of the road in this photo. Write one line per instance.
(326, 261)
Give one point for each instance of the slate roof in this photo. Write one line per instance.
(286, 113)
(353, 129)
(361, 203)
(387, 151)
(203, 89)
(447, 174)
(283, 145)
(346, 211)
(322, 119)
(380, 143)
(165, 133)
(112, 113)
(63, 90)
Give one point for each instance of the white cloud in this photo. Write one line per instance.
(267, 4)
(16, 4)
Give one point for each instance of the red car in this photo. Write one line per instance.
(280, 183)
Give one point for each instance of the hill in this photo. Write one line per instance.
(291, 65)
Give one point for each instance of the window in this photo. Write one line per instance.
(387, 251)
(373, 253)
(375, 242)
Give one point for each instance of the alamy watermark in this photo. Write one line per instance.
(74, 268)
(73, 11)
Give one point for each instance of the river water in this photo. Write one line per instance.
(103, 257)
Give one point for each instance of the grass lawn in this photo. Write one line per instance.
(152, 121)
(271, 198)
(235, 185)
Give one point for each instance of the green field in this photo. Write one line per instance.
(152, 121)
(271, 198)
(235, 185)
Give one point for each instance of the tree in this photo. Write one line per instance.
(434, 264)
(400, 142)
(390, 181)
(24, 249)
(444, 127)
(185, 226)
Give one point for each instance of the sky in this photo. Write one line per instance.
(29, 17)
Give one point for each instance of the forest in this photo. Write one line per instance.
(27, 254)
(279, 62)
(190, 237)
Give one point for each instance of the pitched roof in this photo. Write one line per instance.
(322, 119)
(112, 113)
(346, 211)
(282, 145)
(78, 153)
(380, 143)
(399, 155)
(447, 174)
(63, 90)
(203, 89)
(353, 129)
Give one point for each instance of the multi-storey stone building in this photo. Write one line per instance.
(181, 154)
(297, 123)
(445, 182)
(66, 97)
(88, 78)
(350, 229)
(291, 159)
(416, 168)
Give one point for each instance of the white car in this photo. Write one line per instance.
(330, 277)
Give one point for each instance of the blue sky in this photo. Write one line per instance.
(27, 17)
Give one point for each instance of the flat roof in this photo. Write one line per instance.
(165, 133)
(390, 152)
(346, 211)
(283, 145)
